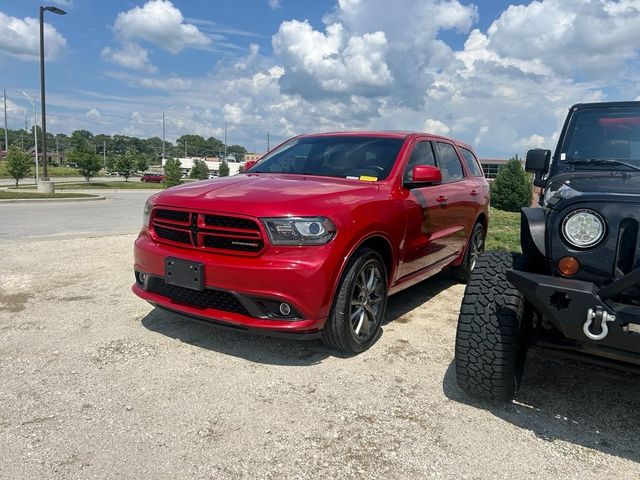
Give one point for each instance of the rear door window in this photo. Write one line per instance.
(472, 162)
(449, 163)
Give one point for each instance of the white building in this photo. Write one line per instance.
(213, 164)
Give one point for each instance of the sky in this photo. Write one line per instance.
(496, 74)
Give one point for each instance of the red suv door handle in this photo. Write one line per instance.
(442, 198)
(475, 192)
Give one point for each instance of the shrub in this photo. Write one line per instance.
(172, 173)
(199, 170)
(512, 188)
(223, 170)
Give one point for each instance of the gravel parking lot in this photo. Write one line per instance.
(95, 383)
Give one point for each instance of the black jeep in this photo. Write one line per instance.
(576, 285)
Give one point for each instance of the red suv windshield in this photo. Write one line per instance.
(333, 156)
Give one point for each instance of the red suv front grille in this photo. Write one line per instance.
(207, 231)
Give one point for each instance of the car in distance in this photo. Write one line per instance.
(312, 239)
(152, 177)
(576, 286)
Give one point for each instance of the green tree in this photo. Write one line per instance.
(199, 170)
(512, 188)
(237, 151)
(223, 169)
(172, 173)
(18, 163)
(142, 162)
(88, 162)
(126, 163)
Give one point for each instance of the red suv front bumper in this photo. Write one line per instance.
(244, 292)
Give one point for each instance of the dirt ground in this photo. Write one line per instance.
(95, 383)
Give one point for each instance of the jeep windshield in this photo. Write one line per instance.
(603, 138)
(355, 157)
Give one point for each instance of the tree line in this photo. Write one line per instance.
(112, 145)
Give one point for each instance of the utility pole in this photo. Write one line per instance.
(162, 163)
(268, 142)
(6, 131)
(58, 152)
(104, 153)
(225, 141)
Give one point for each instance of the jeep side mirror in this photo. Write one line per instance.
(427, 174)
(248, 164)
(537, 162)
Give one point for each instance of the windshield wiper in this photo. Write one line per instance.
(602, 161)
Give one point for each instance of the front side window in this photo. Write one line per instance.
(346, 156)
(422, 154)
(449, 163)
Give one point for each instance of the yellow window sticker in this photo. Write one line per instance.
(366, 178)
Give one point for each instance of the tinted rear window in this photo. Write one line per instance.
(334, 156)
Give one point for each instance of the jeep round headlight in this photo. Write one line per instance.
(583, 228)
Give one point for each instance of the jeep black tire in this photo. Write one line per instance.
(475, 246)
(359, 305)
(490, 351)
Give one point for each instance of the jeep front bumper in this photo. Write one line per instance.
(585, 314)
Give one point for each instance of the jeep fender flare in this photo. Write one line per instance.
(533, 232)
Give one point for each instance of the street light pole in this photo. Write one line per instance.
(35, 129)
(57, 11)
(162, 161)
(6, 130)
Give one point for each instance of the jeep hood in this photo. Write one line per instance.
(264, 195)
(599, 184)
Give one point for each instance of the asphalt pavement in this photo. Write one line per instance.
(120, 213)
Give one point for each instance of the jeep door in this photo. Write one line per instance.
(432, 236)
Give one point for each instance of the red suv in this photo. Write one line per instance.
(312, 239)
(152, 177)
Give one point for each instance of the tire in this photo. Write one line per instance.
(474, 248)
(359, 307)
(490, 351)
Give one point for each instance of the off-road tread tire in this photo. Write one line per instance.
(490, 352)
(336, 333)
(462, 273)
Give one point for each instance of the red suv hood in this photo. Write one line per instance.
(270, 195)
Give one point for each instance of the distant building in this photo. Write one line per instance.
(253, 156)
(492, 166)
(213, 164)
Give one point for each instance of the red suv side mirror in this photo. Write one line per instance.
(427, 174)
(248, 164)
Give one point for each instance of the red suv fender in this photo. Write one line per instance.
(378, 241)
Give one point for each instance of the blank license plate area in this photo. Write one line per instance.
(183, 273)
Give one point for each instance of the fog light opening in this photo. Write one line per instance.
(285, 309)
(141, 277)
(568, 266)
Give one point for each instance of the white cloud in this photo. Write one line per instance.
(274, 4)
(94, 116)
(131, 55)
(332, 61)
(571, 36)
(435, 126)
(162, 24)
(169, 84)
(19, 38)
